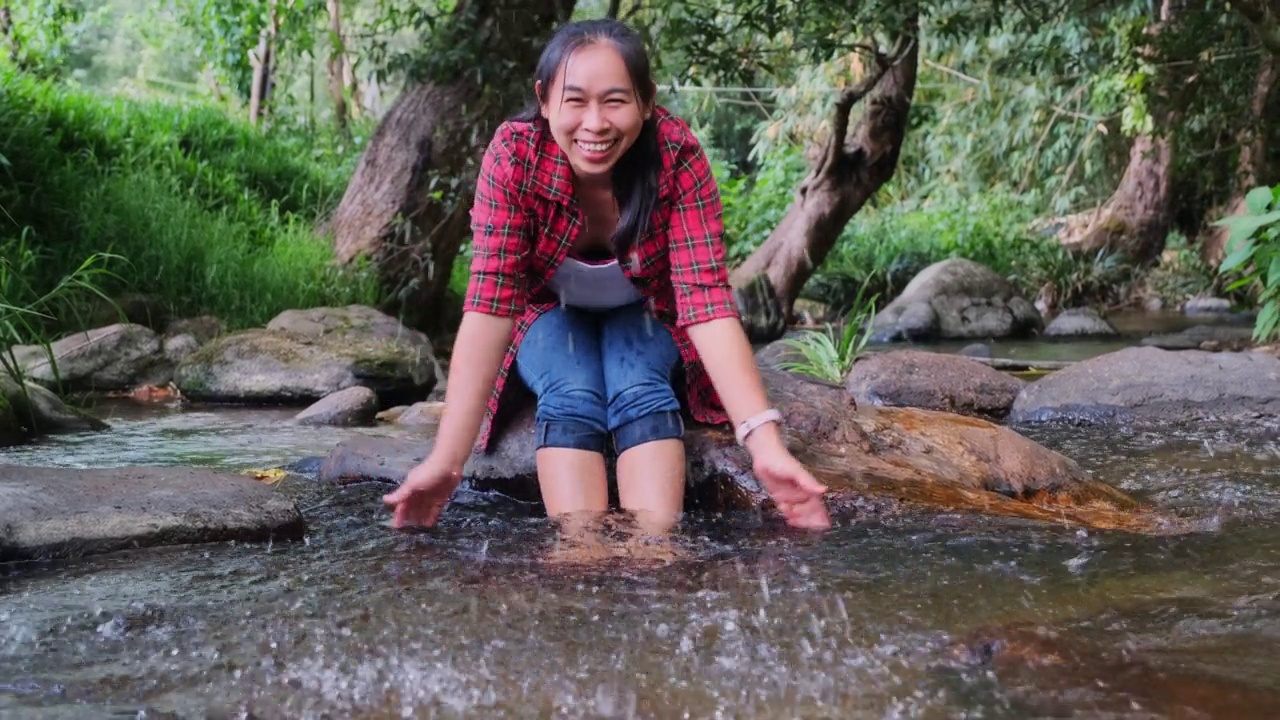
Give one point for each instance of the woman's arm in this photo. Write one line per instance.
(478, 351)
(705, 307)
(726, 353)
(501, 242)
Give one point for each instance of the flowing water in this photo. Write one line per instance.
(749, 620)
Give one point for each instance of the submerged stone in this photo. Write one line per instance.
(50, 513)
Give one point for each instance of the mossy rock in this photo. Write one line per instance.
(276, 367)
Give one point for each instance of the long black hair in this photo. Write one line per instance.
(635, 176)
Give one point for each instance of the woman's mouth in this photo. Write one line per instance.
(595, 149)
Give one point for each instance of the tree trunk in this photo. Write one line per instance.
(335, 66)
(263, 68)
(407, 206)
(853, 166)
(1252, 162)
(1134, 221)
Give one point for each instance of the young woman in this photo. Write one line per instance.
(599, 279)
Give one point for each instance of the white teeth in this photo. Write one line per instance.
(596, 147)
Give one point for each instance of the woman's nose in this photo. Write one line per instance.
(595, 120)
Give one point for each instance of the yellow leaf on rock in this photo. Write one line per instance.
(270, 477)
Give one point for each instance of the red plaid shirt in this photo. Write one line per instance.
(526, 218)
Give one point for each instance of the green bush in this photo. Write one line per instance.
(205, 213)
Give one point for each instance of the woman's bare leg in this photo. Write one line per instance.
(572, 481)
(651, 479)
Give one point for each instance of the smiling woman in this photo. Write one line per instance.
(599, 282)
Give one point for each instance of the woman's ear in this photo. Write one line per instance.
(537, 92)
(653, 100)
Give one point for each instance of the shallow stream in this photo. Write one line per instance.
(478, 619)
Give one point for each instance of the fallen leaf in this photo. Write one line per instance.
(270, 477)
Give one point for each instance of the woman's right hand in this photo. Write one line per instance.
(422, 496)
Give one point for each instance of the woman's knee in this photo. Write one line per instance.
(571, 416)
(643, 413)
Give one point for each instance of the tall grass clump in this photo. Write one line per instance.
(829, 354)
(190, 207)
(24, 315)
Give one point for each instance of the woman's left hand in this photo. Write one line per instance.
(794, 490)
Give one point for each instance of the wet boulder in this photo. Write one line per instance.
(1150, 383)
(304, 356)
(421, 414)
(1079, 322)
(115, 357)
(508, 468)
(956, 298)
(761, 312)
(50, 513)
(28, 410)
(871, 458)
(934, 381)
(353, 406)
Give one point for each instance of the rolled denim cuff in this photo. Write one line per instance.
(569, 434)
(663, 425)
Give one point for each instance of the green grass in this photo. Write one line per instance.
(204, 213)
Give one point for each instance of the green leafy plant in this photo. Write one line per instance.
(1254, 252)
(828, 355)
(26, 313)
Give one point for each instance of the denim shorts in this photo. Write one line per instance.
(601, 375)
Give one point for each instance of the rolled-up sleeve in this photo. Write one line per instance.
(500, 240)
(695, 229)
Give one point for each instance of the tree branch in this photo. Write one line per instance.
(850, 96)
(614, 7)
(1265, 21)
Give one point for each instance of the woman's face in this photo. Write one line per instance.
(593, 109)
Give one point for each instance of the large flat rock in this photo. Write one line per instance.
(1149, 383)
(48, 513)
